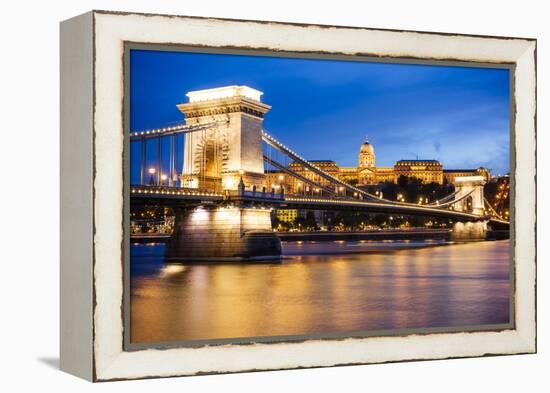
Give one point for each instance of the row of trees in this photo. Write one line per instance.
(353, 221)
(413, 190)
(407, 189)
(497, 194)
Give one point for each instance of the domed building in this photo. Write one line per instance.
(366, 170)
(367, 173)
(367, 158)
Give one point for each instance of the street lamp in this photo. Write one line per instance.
(152, 172)
(163, 179)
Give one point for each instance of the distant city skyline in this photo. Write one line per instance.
(324, 109)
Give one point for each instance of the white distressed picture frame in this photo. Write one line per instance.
(92, 197)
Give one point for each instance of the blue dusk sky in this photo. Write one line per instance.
(324, 109)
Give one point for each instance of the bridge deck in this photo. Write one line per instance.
(175, 195)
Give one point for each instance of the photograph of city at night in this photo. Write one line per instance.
(284, 198)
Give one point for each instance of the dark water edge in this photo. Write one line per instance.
(321, 287)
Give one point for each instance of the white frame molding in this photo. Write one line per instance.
(92, 230)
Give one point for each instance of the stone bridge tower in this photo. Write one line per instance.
(219, 157)
(475, 203)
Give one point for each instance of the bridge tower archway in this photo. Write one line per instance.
(233, 148)
(468, 202)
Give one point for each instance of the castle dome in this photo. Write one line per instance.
(366, 147)
(367, 158)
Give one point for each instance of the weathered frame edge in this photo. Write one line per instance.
(528, 348)
(76, 196)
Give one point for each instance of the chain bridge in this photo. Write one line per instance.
(221, 189)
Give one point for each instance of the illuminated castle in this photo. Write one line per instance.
(367, 173)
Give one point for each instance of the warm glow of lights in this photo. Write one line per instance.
(224, 92)
(169, 270)
(152, 171)
(163, 177)
(229, 183)
(199, 214)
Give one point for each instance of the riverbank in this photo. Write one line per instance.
(385, 234)
(380, 235)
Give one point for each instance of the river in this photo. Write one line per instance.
(319, 288)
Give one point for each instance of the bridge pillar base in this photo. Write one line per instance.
(223, 234)
(469, 231)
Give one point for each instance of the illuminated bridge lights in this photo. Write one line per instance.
(153, 191)
(181, 127)
(158, 131)
(327, 201)
(378, 204)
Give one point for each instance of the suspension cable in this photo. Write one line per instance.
(443, 200)
(493, 210)
(456, 200)
(296, 175)
(179, 129)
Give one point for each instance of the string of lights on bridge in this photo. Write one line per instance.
(181, 128)
(155, 190)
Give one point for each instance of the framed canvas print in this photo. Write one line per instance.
(246, 195)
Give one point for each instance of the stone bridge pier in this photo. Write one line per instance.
(473, 203)
(469, 231)
(223, 234)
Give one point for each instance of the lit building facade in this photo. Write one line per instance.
(367, 173)
(286, 215)
(429, 171)
(366, 169)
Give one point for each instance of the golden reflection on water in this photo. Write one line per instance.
(320, 288)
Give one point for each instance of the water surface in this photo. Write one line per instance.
(320, 287)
